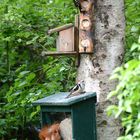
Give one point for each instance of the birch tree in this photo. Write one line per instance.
(108, 54)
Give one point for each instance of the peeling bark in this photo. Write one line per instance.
(108, 54)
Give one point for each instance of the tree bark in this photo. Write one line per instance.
(108, 54)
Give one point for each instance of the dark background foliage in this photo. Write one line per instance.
(26, 75)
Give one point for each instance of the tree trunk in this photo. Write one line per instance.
(108, 54)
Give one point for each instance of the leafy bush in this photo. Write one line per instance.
(132, 13)
(128, 76)
(25, 75)
(128, 95)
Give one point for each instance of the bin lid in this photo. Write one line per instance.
(59, 99)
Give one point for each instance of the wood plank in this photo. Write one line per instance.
(61, 28)
(66, 40)
(86, 27)
(44, 53)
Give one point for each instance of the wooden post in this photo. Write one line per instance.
(86, 26)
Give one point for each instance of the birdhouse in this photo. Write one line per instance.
(65, 42)
(86, 27)
(81, 109)
(78, 38)
(85, 35)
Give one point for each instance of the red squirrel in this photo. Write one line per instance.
(51, 132)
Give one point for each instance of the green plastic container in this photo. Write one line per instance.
(81, 109)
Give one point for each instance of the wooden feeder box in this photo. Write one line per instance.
(65, 43)
(81, 109)
(76, 39)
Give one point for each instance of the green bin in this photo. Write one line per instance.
(81, 109)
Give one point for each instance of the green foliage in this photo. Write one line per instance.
(127, 92)
(25, 75)
(132, 12)
(128, 76)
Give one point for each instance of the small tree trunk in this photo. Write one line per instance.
(108, 54)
